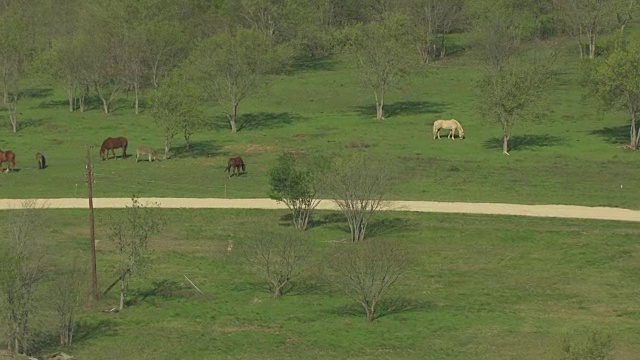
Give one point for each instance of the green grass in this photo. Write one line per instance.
(479, 288)
(569, 156)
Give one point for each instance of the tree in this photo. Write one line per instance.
(130, 234)
(21, 39)
(231, 67)
(21, 270)
(381, 51)
(434, 20)
(366, 271)
(68, 295)
(176, 109)
(512, 82)
(277, 258)
(507, 97)
(616, 81)
(590, 18)
(295, 187)
(358, 185)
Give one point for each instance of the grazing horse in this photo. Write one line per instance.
(146, 150)
(10, 158)
(452, 125)
(42, 162)
(111, 144)
(236, 163)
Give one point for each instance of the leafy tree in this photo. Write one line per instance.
(381, 51)
(295, 187)
(590, 18)
(277, 258)
(21, 271)
(130, 234)
(22, 38)
(358, 185)
(507, 97)
(366, 272)
(434, 19)
(512, 82)
(616, 80)
(231, 67)
(176, 109)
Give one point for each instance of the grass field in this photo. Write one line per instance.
(479, 288)
(569, 156)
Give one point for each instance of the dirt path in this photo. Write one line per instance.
(558, 211)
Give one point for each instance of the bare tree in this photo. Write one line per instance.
(277, 258)
(366, 271)
(358, 186)
(69, 292)
(130, 233)
(21, 270)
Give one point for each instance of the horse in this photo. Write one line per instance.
(42, 162)
(10, 158)
(452, 125)
(111, 144)
(236, 163)
(146, 150)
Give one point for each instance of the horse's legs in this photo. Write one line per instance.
(113, 151)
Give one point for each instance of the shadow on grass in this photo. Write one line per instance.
(388, 226)
(404, 108)
(303, 64)
(615, 135)
(386, 307)
(401, 304)
(27, 123)
(88, 330)
(36, 92)
(266, 120)
(198, 149)
(332, 218)
(523, 142)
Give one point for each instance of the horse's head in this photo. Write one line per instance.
(243, 167)
(461, 134)
(102, 153)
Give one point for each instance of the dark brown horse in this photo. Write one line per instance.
(42, 162)
(236, 163)
(112, 144)
(10, 158)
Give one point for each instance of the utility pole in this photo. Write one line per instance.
(92, 231)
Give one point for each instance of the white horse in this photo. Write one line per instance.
(452, 125)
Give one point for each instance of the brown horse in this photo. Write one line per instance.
(236, 163)
(10, 158)
(111, 144)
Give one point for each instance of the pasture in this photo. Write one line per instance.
(479, 288)
(568, 156)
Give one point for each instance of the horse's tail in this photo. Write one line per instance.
(228, 167)
(44, 162)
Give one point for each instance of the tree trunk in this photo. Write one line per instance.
(136, 87)
(105, 105)
(581, 43)
(122, 292)
(370, 313)
(505, 144)
(592, 44)
(232, 118)
(167, 147)
(5, 95)
(71, 98)
(443, 49)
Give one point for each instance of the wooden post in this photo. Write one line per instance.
(92, 231)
